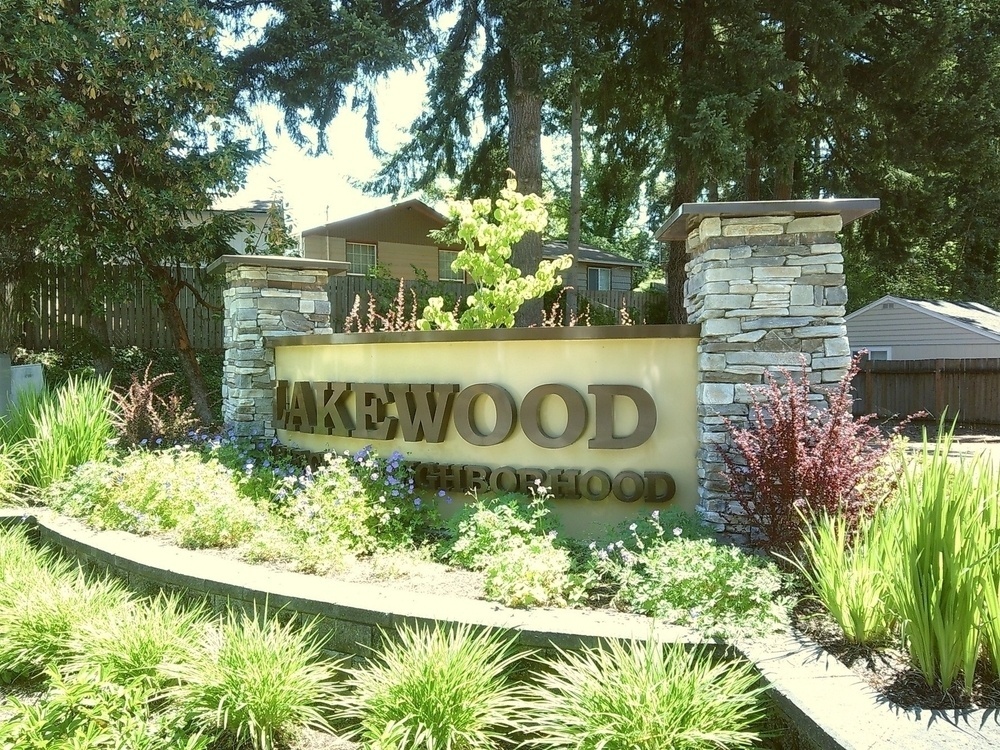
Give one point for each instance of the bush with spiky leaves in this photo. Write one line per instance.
(255, 680)
(648, 696)
(432, 688)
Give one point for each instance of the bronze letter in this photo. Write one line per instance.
(301, 416)
(423, 416)
(604, 396)
(618, 486)
(465, 420)
(603, 482)
(563, 482)
(526, 478)
(497, 479)
(280, 403)
(372, 422)
(660, 487)
(531, 415)
(332, 417)
(478, 478)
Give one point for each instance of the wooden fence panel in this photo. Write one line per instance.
(969, 388)
(605, 306)
(133, 317)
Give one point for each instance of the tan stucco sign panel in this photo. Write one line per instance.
(578, 395)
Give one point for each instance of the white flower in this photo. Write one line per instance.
(678, 531)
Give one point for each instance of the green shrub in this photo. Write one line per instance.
(87, 712)
(37, 626)
(715, 588)
(849, 575)
(531, 574)
(331, 506)
(486, 528)
(134, 644)
(23, 565)
(151, 491)
(644, 697)
(256, 681)
(70, 429)
(433, 688)
(221, 521)
(400, 515)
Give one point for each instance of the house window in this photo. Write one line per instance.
(876, 353)
(361, 256)
(599, 279)
(445, 259)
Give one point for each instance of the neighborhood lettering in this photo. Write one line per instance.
(425, 412)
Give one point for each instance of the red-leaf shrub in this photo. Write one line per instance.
(798, 457)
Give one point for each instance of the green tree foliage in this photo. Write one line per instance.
(687, 100)
(488, 234)
(113, 143)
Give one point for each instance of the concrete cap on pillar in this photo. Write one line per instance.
(688, 216)
(332, 267)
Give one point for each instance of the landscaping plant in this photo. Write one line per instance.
(38, 624)
(643, 696)
(431, 688)
(535, 573)
(133, 644)
(944, 531)
(254, 680)
(86, 712)
(143, 415)
(799, 456)
(67, 429)
(501, 289)
(851, 575)
(147, 492)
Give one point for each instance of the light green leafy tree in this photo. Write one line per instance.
(488, 234)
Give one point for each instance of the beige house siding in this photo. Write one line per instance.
(400, 259)
(910, 334)
(324, 248)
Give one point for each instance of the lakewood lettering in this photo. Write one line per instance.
(423, 412)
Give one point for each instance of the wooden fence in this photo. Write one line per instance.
(604, 307)
(135, 320)
(969, 388)
(130, 307)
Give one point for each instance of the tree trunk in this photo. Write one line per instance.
(169, 289)
(575, 209)
(524, 104)
(696, 38)
(784, 177)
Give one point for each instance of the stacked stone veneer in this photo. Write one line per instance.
(768, 293)
(262, 299)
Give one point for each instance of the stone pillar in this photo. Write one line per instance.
(765, 282)
(265, 295)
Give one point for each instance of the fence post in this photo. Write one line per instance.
(765, 281)
(266, 295)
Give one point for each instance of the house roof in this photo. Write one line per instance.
(971, 316)
(550, 249)
(414, 204)
(587, 254)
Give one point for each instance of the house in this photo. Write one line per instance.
(396, 238)
(255, 215)
(895, 328)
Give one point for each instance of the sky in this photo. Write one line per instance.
(318, 190)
